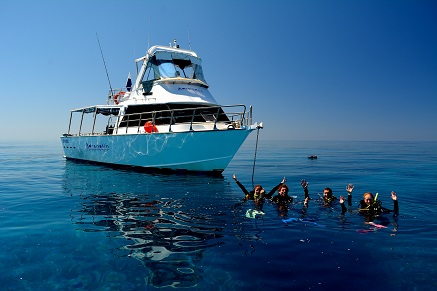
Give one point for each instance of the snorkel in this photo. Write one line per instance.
(375, 203)
(375, 206)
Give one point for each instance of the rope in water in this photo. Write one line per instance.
(256, 149)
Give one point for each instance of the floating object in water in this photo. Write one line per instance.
(374, 228)
(252, 213)
(312, 157)
(289, 220)
(377, 225)
(305, 220)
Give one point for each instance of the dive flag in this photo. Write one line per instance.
(129, 83)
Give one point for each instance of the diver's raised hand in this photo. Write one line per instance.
(349, 188)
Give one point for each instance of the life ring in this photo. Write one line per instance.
(119, 94)
(149, 127)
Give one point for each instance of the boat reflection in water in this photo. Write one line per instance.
(163, 221)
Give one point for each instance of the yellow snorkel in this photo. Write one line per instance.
(375, 203)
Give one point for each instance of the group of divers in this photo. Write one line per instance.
(370, 207)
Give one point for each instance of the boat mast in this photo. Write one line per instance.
(104, 63)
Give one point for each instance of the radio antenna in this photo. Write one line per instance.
(189, 42)
(148, 33)
(133, 33)
(104, 63)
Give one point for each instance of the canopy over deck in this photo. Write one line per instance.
(101, 109)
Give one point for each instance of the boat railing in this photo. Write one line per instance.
(115, 96)
(185, 119)
(187, 116)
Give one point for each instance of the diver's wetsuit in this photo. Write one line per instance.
(376, 208)
(326, 201)
(278, 199)
(371, 210)
(251, 195)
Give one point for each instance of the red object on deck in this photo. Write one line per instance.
(149, 127)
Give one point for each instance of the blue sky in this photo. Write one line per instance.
(312, 70)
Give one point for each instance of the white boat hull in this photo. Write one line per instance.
(209, 151)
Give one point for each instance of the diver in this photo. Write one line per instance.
(282, 200)
(282, 197)
(327, 198)
(370, 206)
(258, 194)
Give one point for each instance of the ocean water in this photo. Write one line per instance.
(67, 225)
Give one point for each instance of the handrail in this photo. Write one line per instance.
(138, 119)
(189, 117)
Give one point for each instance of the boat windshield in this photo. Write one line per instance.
(170, 67)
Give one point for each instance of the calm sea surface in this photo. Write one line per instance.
(77, 226)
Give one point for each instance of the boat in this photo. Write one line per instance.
(166, 119)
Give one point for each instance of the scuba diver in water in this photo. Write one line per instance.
(282, 196)
(370, 206)
(328, 197)
(258, 194)
(282, 200)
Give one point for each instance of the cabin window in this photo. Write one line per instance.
(173, 68)
(187, 69)
(198, 73)
(166, 69)
(150, 75)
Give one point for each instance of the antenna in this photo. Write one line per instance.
(104, 63)
(135, 51)
(189, 43)
(148, 34)
(133, 33)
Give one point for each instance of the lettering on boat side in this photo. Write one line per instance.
(97, 146)
(191, 89)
